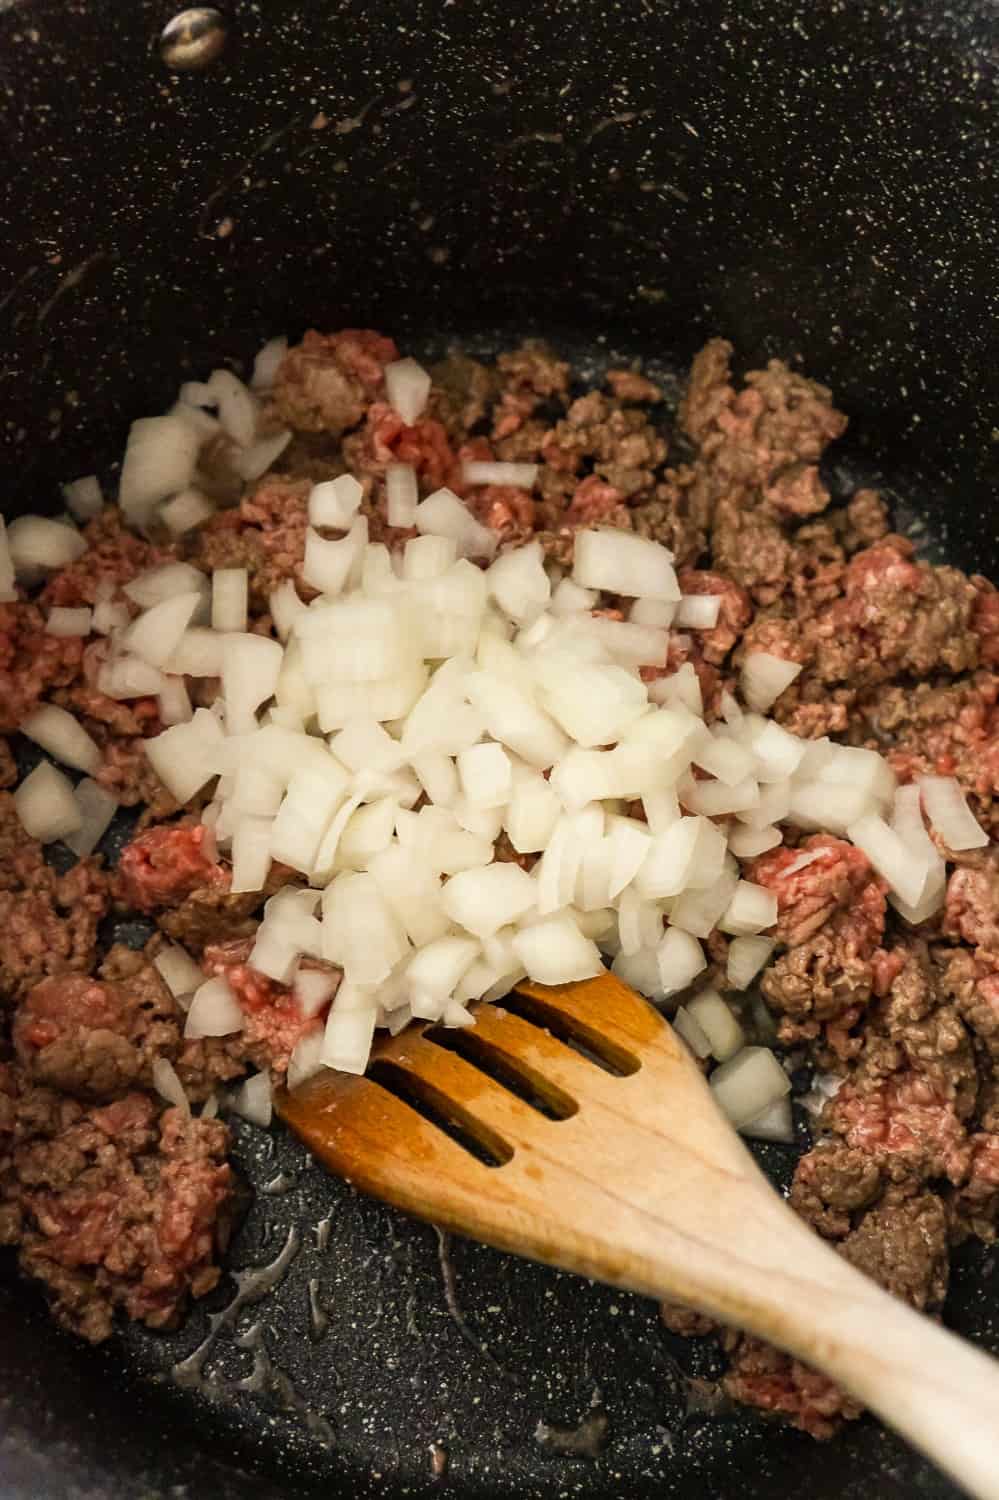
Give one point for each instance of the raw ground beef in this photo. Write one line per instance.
(117, 1202)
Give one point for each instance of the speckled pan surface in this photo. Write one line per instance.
(815, 181)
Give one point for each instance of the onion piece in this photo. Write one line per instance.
(746, 957)
(641, 971)
(252, 1100)
(407, 388)
(680, 958)
(185, 756)
(7, 588)
(486, 775)
(186, 511)
(178, 970)
(764, 677)
(251, 853)
(335, 502)
(774, 1124)
(686, 1027)
(402, 494)
(97, 808)
(168, 1085)
(165, 582)
(327, 565)
(160, 459)
(313, 989)
(554, 951)
(37, 543)
(237, 406)
(621, 562)
(45, 804)
(63, 736)
(443, 514)
(698, 611)
(949, 813)
(198, 654)
(175, 702)
(889, 856)
(721, 1028)
(747, 843)
(69, 622)
(83, 497)
(306, 1060)
(157, 633)
(127, 677)
(752, 909)
(267, 362)
(249, 463)
(250, 668)
(285, 607)
(748, 1084)
(350, 1029)
(477, 471)
(482, 901)
(230, 592)
(214, 1011)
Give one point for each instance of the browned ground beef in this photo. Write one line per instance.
(119, 1203)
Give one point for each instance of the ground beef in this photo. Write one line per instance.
(112, 1206)
(896, 616)
(265, 535)
(463, 393)
(831, 1183)
(911, 1129)
(324, 383)
(763, 1377)
(274, 1024)
(8, 766)
(902, 1244)
(733, 617)
(839, 878)
(164, 865)
(49, 921)
(32, 662)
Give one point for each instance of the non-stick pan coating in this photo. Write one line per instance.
(814, 185)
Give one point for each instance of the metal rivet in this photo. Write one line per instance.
(193, 39)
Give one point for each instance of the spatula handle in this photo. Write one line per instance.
(934, 1388)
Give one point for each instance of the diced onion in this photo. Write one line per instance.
(160, 459)
(7, 588)
(680, 958)
(157, 633)
(83, 497)
(950, 814)
(38, 543)
(335, 502)
(186, 511)
(717, 1022)
(443, 514)
(698, 611)
(554, 951)
(164, 582)
(746, 957)
(249, 463)
(621, 562)
(252, 1100)
(230, 591)
(178, 970)
(686, 1027)
(265, 365)
(407, 386)
(63, 736)
(752, 909)
(402, 494)
(774, 1124)
(522, 476)
(889, 856)
(764, 678)
(237, 406)
(45, 804)
(69, 622)
(214, 1011)
(97, 807)
(168, 1085)
(748, 1084)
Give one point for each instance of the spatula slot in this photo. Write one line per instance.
(575, 1033)
(430, 1104)
(516, 1076)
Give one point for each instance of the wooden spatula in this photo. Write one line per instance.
(605, 1154)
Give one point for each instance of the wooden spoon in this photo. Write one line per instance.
(607, 1156)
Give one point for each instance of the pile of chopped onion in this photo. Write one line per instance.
(426, 706)
(422, 708)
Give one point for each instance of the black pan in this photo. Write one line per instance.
(816, 182)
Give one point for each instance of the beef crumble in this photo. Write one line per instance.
(117, 1202)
